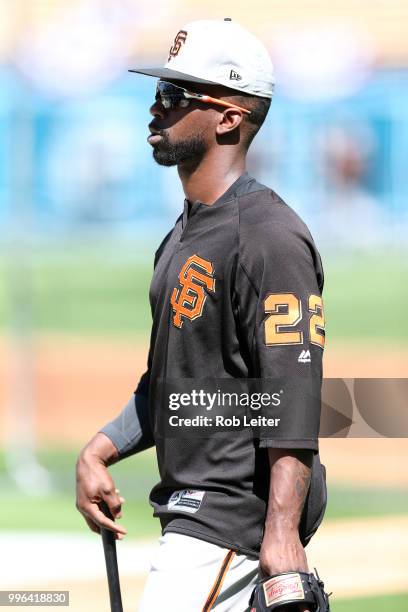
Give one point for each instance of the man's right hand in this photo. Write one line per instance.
(94, 484)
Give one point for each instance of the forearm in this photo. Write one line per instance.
(290, 473)
(281, 549)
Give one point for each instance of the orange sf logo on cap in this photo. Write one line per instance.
(178, 42)
(189, 301)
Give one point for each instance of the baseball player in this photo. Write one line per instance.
(235, 298)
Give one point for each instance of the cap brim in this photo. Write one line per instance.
(174, 75)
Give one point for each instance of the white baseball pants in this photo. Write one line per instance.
(190, 575)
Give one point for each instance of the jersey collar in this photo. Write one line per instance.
(229, 194)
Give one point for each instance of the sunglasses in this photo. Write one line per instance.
(173, 96)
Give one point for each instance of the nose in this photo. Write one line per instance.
(157, 109)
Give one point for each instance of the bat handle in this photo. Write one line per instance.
(111, 561)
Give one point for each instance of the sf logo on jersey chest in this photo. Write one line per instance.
(196, 277)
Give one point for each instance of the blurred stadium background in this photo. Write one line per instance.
(82, 209)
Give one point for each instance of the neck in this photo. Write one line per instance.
(208, 180)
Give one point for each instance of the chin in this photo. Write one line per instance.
(189, 151)
(163, 158)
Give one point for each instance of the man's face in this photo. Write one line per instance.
(180, 134)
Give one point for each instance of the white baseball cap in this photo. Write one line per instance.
(218, 52)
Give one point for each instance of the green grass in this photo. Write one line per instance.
(352, 503)
(366, 298)
(85, 295)
(97, 293)
(135, 477)
(58, 513)
(385, 603)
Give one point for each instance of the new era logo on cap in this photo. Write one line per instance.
(234, 76)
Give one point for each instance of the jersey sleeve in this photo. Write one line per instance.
(281, 321)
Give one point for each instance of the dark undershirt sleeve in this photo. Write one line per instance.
(130, 431)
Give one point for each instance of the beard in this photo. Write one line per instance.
(168, 153)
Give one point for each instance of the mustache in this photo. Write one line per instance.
(154, 129)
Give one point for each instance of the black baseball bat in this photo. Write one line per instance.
(111, 561)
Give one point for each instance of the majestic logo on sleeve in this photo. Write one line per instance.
(178, 42)
(195, 276)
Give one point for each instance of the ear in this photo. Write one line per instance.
(229, 120)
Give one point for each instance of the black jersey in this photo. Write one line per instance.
(235, 294)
